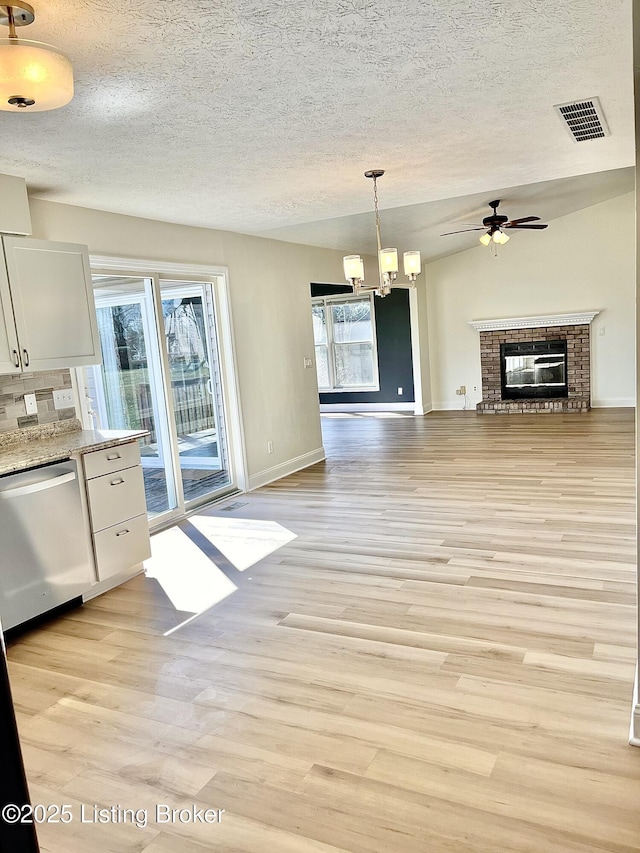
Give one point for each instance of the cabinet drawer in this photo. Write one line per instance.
(115, 497)
(100, 462)
(122, 546)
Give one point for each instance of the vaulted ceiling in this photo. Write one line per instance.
(260, 116)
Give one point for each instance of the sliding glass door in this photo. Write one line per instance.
(195, 387)
(161, 372)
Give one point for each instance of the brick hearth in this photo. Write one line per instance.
(578, 370)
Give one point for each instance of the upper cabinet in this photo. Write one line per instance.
(14, 206)
(47, 312)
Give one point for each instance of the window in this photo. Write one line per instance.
(344, 333)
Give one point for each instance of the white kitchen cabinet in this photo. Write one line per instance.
(117, 509)
(9, 346)
(15, 217)
(122, 546)
(116, 497)
(47, 312)
(111, 459)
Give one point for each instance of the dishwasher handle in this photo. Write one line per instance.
(42, 486)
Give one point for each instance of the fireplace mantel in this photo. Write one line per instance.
(578, 319)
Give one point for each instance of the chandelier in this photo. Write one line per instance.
(387, 258)
(33, 76)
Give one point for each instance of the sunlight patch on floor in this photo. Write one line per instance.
(243, 541)
(191, 580)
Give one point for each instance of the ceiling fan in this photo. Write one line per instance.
(493, 226)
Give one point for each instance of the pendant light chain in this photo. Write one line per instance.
(375, 205)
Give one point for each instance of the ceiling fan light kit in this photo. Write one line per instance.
(34, 77)
(387, 258)
(500, 237)
(496, 225)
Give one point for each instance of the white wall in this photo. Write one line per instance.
(584, 261)
(270, 301)
(634, 734)
(420, 347)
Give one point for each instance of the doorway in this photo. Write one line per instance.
(162, 372)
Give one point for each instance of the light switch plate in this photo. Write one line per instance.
(30, 404)
(63, 399)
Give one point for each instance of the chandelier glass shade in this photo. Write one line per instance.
(34, 76)
(387, 258)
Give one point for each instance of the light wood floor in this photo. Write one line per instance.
(442, 659)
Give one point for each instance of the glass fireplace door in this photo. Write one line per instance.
(534, 369)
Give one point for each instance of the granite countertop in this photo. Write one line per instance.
(26, 448)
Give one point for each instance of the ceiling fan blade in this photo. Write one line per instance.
(532, 227)
(523, 219)
(448, 233)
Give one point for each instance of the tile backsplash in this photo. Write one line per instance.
(13, 387)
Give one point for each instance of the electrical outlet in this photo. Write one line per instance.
(308, 362)
(399, 391)
(463, 389)
(602, 330)
(63, 399)
(30, 405)
(269, 447)
(475, 387)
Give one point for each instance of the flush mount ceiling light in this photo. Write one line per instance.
(33, 76)
(387, 258)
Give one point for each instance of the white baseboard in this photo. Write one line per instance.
(422, 410)
(285, 468)
(367, 407)
(450, 406)
(613, 403)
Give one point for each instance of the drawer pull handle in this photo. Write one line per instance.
(111, 457)
(123, 533)
(117, 482)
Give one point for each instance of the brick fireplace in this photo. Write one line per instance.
(565, 330)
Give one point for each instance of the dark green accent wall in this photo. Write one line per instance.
(393, 332)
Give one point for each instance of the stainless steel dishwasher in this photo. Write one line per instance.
(44, 551)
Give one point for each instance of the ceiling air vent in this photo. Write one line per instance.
(583, 119)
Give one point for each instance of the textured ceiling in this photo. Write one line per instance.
(250, 115)
(421, 226)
